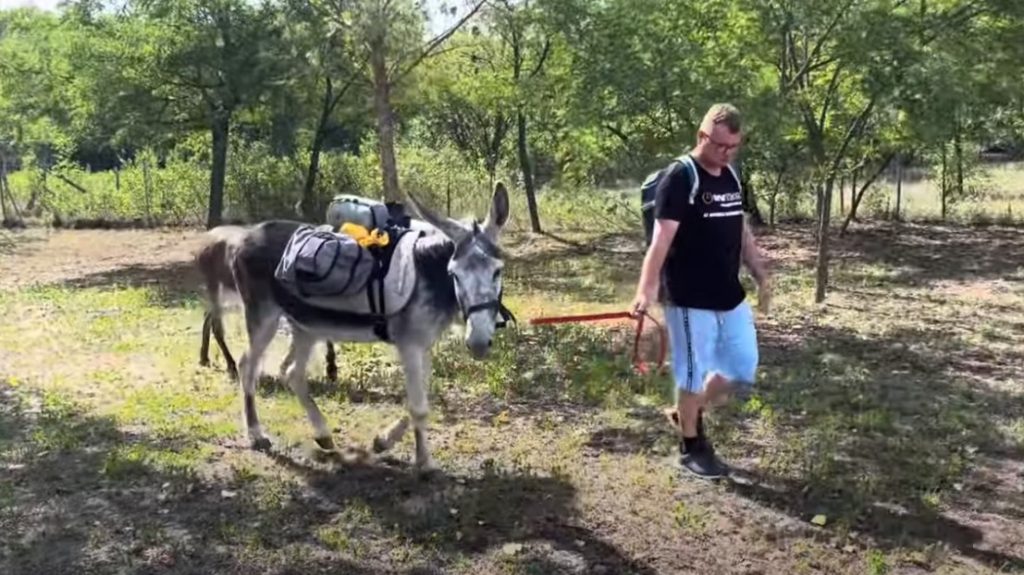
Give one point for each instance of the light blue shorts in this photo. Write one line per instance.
(705, 342)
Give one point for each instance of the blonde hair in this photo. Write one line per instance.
(722, 114)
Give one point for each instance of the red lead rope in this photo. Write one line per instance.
(637, 363)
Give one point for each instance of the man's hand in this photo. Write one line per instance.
(642, 301)
(764, 296)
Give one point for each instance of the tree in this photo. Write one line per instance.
(387, 35)
(333, 71)
(516, 25)
(195, 64)
(470, 100)
(838, 67)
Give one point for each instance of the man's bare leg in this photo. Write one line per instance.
(688, 405)
(716, 393)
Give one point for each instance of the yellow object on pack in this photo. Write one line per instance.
(364, 237)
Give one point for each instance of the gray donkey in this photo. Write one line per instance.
(457, 271)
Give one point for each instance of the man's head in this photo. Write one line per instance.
(719, 135)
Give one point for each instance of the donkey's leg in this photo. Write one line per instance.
(332, 363)
(289, 358)
(204, 346)
(417, 364)
(302, 348)
(218, 334)
(261, 328)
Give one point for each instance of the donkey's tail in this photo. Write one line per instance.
(212, 261)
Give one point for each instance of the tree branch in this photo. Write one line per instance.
(858, 195)
(819, 44)
(434, 44)
(833, 86)
(543, 57)
(617, 132)
(855, 128)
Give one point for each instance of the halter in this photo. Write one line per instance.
(504, 314)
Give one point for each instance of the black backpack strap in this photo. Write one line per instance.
(382, 257)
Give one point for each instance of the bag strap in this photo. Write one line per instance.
(695, 178)
(736, 176)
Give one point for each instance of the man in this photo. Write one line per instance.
(698, 243)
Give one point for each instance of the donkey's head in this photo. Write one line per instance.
(475, 268)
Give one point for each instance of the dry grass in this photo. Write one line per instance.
(897, 412)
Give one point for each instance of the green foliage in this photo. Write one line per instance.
(609, 91)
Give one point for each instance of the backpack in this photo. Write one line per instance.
(320, 262)
(352, 209)
(341, 258)
(649, 187)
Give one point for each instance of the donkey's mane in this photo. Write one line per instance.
(431, 257)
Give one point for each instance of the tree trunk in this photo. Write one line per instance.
(385, 123)
(857, 195)
(526, 164)
(825, 201)
(34, 199)
(147, 187)
(750, 203)
(308, 211)
(899, 189)
(945, 183)
(3, 189)
(853, 186)
(958, 151)
(842, 196)
(218, 171)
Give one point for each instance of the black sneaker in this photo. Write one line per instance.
(702, 463)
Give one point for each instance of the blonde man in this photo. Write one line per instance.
(699, 241)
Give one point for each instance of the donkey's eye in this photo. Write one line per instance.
(497, 275)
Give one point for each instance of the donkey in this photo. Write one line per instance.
(212, 262)
(458, 271)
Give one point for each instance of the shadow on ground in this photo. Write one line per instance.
(588, 270)
(13, 241)
(173, 284)
(923, 254)
(877, 434)
(81, 495)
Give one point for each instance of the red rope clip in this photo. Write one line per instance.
(639, 365)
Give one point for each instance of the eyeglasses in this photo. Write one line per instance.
(721, 146)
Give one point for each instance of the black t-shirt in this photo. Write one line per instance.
(703, 263)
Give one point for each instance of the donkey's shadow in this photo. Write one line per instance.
(460, 513)
(270, 385)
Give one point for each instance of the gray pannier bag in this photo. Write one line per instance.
(318, 262)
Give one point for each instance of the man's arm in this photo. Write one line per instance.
(669, 207)
(661, 239)
(751, 256)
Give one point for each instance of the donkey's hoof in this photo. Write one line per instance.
(233, 373)
(325, 443)
(332, 375)
(428, 469)
(261, 444)
(204, 362)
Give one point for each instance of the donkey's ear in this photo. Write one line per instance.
(498, 216)
(448, 226)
